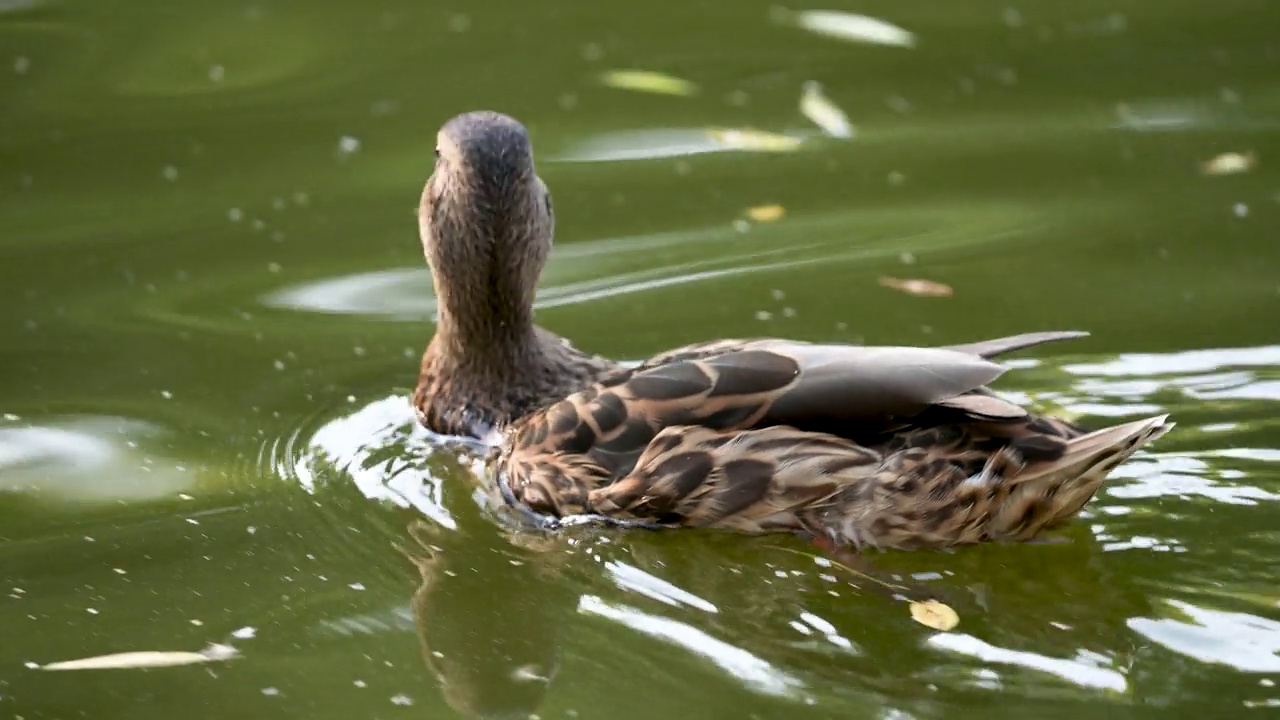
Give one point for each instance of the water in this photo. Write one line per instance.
(213, 300)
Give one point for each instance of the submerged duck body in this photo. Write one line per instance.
(899, 447)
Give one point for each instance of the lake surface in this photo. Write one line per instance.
(212, 301)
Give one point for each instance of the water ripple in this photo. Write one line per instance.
(1080, 673)
(1245, 642)
(53, 459)
(753, 672)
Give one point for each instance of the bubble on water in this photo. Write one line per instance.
(764, 315)
(217, 73)
(170, 173)
(401, 699)
(273, 267)
(459, 23)
(270, 691)
(384, 107)
(235, 215)
(1012, 17)
(898, 104)
(21, 64)
(166, 394)
(1241, 210)
(348, 145)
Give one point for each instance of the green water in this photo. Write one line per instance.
(212, 301)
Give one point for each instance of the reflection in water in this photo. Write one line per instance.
(1180, 363)
(1181, 476)
(630, 577)
(487, 618)
(383, 450)
(53, 460)
(753, 672)
(1078, 672)
(494, 655)
(1245, 642)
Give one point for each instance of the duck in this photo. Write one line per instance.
(894, 447)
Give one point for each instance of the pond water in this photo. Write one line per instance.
(212, 300)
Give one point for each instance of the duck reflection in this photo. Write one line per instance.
(487, 618)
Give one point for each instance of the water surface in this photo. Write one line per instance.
(213, 301)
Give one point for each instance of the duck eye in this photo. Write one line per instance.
(437, 152)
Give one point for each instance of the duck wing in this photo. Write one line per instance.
(942, 487)
(777, 383)
(986, 348)
(999, 346)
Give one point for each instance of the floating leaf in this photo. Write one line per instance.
(825, 114)
(755, 140)
(1229, 163)
(934, 614)
(851, 27)
(145, 659)
(925, 288)
(648, 81)
(766, 213)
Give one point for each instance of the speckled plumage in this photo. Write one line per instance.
(867, 446)
(486, 223)
(881, 447)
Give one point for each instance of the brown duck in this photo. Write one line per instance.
(899, 447)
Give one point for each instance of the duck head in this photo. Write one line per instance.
(486, 224)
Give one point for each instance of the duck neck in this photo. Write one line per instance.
(499, 346)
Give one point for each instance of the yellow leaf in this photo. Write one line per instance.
(766, 213)
(1229, 163)
(851, 27)
(648, 81)
(926, 288)
(754, 140)
(934, 614)
(816, 106)
(145, 659)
